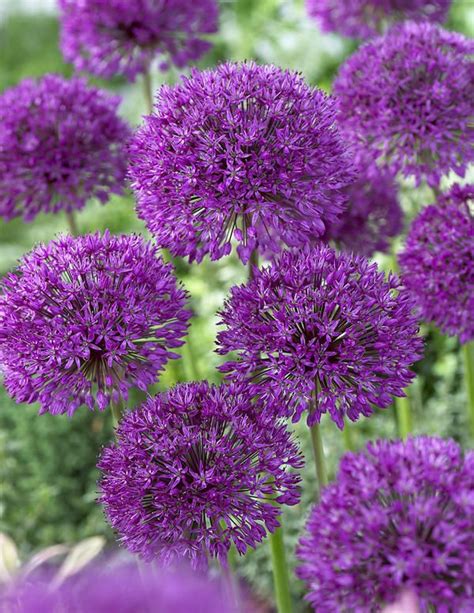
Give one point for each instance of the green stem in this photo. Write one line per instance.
(253, 263)
(280, 571)
(117, 410)
(347, 435)
(318, 452)
(317, 443)
(148, 91)
(71, 221)
(468, 352)
(404, 419)
(191, 371)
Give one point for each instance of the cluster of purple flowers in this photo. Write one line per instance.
(438, 262)
(242, 152)
(324, 323)
(61, 143)
(373, 215)
(399, 515)
(121, 589)
(195, 470)
(407, 97)
(83, 319)
(365, 18)
(123, 37)
(251, 155)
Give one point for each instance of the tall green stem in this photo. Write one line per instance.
(404, 420)
(253, 263)
(280, 571)
(117, 411)
(318, 452)
(347, 435)
(191, 370)
(148, 91)
(468, 353)
(71, 221)
(317, 443)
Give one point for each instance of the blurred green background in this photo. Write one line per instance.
(47, 464)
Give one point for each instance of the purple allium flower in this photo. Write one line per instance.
(365, 18)
(61, 143)
(373, 215)
(437, 263)
(195, 470)
(408, 96)
(123, 37)
(243, 151)
(399, 516)
(123, 589)
(83, 319)
(322, 320)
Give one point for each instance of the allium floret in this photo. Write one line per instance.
(123, 37)
(325, 321)
(365, 18)
(437, 262)
(242, 152)
(408, 97)
(61, 143)
(400, 515)
(195, 470)
(83, 319)
(373, 215)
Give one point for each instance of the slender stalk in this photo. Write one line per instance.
(468, 353)
(280, 571)
(191, 370)
(403, 413)
(71, 221)
(253, 263)
(317, 444)
(347, 435)
(148, 91)
(116, 407)
(318, 452)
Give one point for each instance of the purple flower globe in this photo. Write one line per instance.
(324, 323)
(399, 516)
(123, 37)
(121, 589)
(407, 97)
(242, 152)
(195, 470)
(84, 319)
(365, 18)
(61, 143)
(437, 263)
(373, 216)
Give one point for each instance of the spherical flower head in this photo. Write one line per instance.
(123, 37)
(241, 152)
(398, 517)
(437, 263)
(366, 18)
(324, 324)
(122, 589)
(195, 470)
(373, 215)
(84, 319)
(61, 143)
(408, 97)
